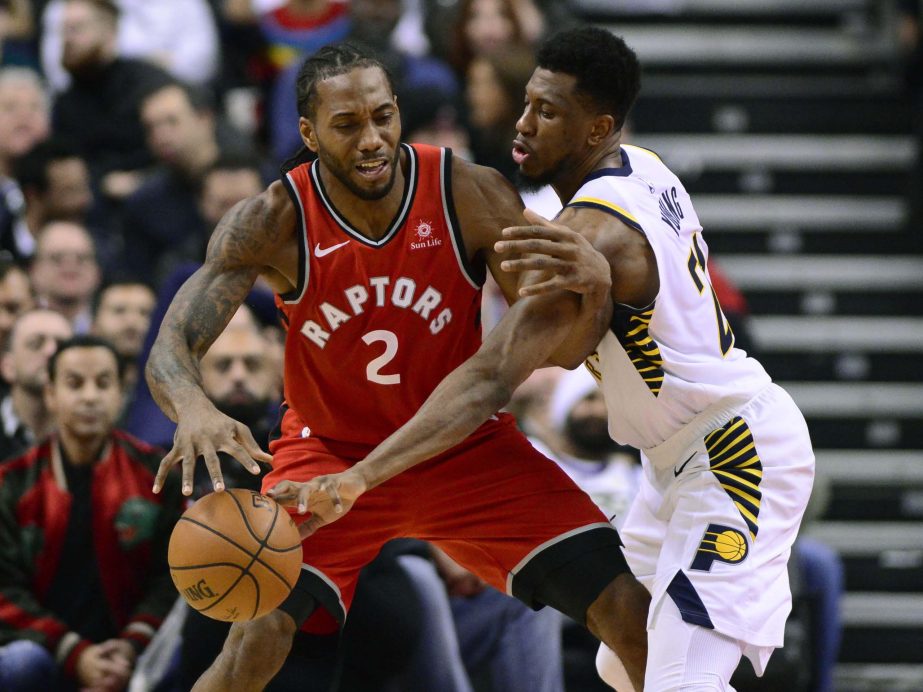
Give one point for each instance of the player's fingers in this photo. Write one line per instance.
(214, 468)
(553, 284)
(282, 492)
(245, 437)
(242, 456)
(304, 494)
(167, 463)
(530, 263)
(536, 245)
(332, 490)
(525, 232)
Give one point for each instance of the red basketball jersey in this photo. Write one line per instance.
(375, 325)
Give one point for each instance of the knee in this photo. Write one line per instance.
(26, 665)
(621, 608)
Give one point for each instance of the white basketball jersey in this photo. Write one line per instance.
(671, 368)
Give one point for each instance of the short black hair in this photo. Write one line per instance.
(118, 281)
(200, 99)
(9, 264)
(31, 169)
(235, 161)
(331, 61)
(85, 341)
(607, 70)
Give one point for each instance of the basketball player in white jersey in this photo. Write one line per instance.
(727, 461)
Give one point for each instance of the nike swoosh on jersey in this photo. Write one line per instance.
(678, 471)
(320, 252)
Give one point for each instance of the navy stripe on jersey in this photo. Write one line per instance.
(622, 172)
(297, 292)
(476, 276)
(410, 189)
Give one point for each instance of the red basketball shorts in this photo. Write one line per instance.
(496, 505)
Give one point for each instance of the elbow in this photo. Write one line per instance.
(150, 371)
(568, 361)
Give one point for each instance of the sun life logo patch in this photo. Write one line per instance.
(720, 543)
(425, 237)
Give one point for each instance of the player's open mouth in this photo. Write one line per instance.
(520, 153)
(372, 169)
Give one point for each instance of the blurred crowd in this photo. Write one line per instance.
(127, 129)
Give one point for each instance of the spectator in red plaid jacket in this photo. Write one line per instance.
(83, 575)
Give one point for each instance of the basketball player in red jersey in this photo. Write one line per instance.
(377, 252)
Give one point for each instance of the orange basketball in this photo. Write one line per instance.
(235, 555)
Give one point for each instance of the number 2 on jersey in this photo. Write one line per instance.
(373, 369)
(696, 265)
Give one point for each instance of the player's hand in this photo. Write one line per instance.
(203, 432)
(574, 263)
(327, 498)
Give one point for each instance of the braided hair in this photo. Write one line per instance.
(329, 61)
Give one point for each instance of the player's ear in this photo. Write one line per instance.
(603, 126)
(307, 133)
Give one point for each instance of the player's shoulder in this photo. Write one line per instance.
(255, 229)
(477, 181)
(485, 202)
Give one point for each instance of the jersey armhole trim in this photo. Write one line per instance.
(646, 150)
(474, 277)
(304, 267)
(609, 208)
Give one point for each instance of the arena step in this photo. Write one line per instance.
(808, 272)
(860, 538)
(878, 677)
(838, 334)
(718, 45)
(782, 152)
(857, 399)
(792, 213)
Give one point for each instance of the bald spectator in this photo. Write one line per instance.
(100, 109)
(15, 296)
(65, 273)
(34, 337)
(25, 120)
(122, 317)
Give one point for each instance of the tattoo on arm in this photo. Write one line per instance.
(205, 304)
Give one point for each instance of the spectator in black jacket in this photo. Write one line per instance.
(100, 109)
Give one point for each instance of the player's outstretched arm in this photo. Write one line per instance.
(523, 340)
(243, 244)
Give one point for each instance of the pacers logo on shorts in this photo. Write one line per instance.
(721, 543)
